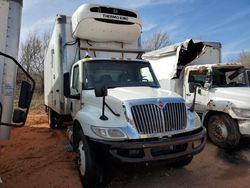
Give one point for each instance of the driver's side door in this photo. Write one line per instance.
(199, 77)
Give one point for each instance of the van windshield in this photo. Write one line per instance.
(114, 73)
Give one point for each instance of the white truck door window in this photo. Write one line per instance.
(146, 75)
(76, 84)
(199, 77)
(76, 89)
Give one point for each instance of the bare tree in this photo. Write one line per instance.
(244, 59)
(32, 56)
(156, 41)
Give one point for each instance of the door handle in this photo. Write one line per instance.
(188, 94)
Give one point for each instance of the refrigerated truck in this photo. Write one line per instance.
(94, 77)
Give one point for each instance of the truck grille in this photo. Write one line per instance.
(152, 119)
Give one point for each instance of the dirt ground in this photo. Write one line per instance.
(36, 157)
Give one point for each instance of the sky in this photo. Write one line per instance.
(225, 21)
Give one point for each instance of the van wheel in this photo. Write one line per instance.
(182, 162)
(91, 173)
(54, 119)
(223, 131)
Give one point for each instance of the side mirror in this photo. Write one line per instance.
(101, 90)
(66, 87)
(24, 97)
(19, 116)
(1, 110)
(192, 87)
(207, 85)
(66, 84)
(27, 87)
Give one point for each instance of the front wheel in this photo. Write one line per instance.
(90, 171)
(223, 131)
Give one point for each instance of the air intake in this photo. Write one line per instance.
(152, 119)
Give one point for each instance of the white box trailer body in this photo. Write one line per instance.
(94, 54)
(222, 96)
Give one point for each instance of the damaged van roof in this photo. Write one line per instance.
(166, 51)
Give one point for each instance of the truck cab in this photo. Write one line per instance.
(222, 100)
(222, 90)
(127, 83)
(113, 73)
(119, 109)
(96, 80)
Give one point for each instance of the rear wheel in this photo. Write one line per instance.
(90, 171)
(223, 131)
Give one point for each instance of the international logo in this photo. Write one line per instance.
(161, 104)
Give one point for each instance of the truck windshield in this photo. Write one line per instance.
(248, 76)
(229, 77)
(118, 74)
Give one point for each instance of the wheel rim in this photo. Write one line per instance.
(81, 161)
(220, 130)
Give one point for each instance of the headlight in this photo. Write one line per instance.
(110, 133)
(193, 120)
(245, 113)
(197, 121)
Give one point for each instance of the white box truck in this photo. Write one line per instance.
(14, 93)
(94, 76)
(223, 92)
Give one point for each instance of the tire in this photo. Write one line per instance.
(223, 131)
(54, 119)
(90, 171)
(182, 162)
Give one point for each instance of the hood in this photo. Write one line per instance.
(239, 96)
(118, 96)
(133, 93)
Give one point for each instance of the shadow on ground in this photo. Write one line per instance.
(236, 156)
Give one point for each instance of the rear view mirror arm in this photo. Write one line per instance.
(25, 72)
(193, 103)
(111, 109)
